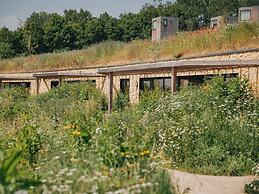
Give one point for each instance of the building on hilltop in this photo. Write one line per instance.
(245, 14)
(221, 20)
(163, 27)
(248, 14)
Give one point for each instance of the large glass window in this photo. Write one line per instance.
(200, 79)
(245, 15)
(125, 86)
(163, 83)
(17, 84)
(54, 84)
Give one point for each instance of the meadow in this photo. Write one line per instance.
(184, 44)
(64, 141)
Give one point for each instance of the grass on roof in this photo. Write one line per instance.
(113, 53)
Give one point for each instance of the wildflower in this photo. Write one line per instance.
(145, 153)
(76, 133)
(98, 130)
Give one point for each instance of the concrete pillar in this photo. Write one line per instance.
(174, 79)
(110, 92)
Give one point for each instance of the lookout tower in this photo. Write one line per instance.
(163, 27)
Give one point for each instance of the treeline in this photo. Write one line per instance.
(50, 32)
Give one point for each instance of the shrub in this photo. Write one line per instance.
(212, 129)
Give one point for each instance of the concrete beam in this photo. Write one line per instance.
(180, 65)
(50, 75)
(16, 77)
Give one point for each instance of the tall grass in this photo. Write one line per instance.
(111, 53)
(67, 140)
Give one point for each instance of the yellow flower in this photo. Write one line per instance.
(144, 153)
(76, 133)
(67, 127)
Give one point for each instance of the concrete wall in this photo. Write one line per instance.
(159, 31)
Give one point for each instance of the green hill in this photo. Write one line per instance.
(109, 53)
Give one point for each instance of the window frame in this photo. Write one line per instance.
(246, 10)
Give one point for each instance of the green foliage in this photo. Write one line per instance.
(10, 181)
(253, 187)
(31, 142)
(11, 102)
(69, 141)
(212, 129)
(121, 102)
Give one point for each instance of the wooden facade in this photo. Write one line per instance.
(167, 74)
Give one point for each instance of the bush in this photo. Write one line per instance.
(69, 141)
(211, 130)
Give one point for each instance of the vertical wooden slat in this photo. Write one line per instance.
(1, 83)
(37, 86)
(110, 92)
(173, 79)
(60, 81)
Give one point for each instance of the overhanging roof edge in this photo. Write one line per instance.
(179, 64)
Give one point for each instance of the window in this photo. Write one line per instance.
(17, 84)
(245, 15)
(154, 25)
(185, 81)
(54, 84)
(125, 86)
(214, 23)
(165, 22)
(151, 83)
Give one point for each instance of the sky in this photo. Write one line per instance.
(13, 10)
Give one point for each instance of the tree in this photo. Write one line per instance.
(70, 36)
(81, 17)
(94, 32)
(144, 20)
(6, 50)
(129, 26)
(33, 33)
(53, 37)
(6, 43)
(111, 27)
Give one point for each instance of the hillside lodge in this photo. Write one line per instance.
(133, 78)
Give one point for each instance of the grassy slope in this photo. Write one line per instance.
(112, 53)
